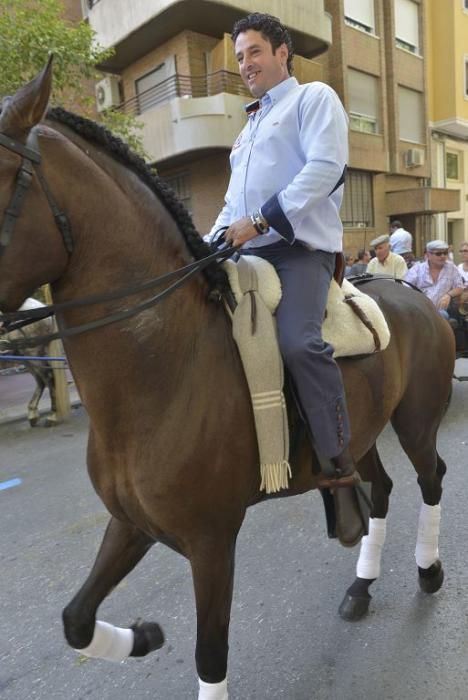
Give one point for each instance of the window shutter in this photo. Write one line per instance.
(407, 22)
(411, 115)
(361, 11)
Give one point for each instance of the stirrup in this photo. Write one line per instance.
(336, 482)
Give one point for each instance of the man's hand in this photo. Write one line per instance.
(240, 232)
(444, 301)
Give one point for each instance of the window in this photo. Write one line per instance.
(465, 5)
(407, 25)
(411, 108)
(452, 162)
(363, 102)
(155, 87)
(357, 210)
(360, 14)
(180, 183)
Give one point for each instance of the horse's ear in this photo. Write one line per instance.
(28, 105)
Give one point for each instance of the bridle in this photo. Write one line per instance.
(30, 165)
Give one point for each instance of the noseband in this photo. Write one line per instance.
(30, 164)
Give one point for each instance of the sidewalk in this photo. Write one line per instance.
(16, 391)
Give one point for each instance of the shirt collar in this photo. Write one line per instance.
(279, 91)
(272, 96)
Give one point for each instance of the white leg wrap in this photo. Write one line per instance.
(368, 565)
(109, 642)
(213, 691)
(427, 544)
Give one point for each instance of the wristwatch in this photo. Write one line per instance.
(259, 222)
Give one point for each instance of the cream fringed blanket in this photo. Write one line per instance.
(254, 330)
(354, 325)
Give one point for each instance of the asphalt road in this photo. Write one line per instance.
(287, 640)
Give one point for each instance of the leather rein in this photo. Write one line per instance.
(30, 165)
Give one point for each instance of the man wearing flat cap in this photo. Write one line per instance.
(437, 277)
(386, 262)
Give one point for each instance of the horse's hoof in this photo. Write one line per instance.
(354, 608)
(50, 423)
(33, 422)
(148, 636)
(431, 579)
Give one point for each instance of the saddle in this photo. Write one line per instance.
(257, 291)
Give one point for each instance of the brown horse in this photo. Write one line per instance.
(172, 447)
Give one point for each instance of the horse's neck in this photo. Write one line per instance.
(133, 238)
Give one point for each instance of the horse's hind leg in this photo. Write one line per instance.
(430, 467)
(213, 575)
(355, 604)
(122, 548)
(51, 420)
(33, 411)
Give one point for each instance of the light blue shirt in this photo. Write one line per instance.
(289, 161)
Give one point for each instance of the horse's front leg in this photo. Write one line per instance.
(123, 546)
(213, 575)
(355, 604)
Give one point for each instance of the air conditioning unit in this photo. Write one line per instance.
(107, 93)
(361, 224)
(414, 157)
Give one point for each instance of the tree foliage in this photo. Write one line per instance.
(32, 29)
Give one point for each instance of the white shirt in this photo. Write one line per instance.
(401, 241)
(289, 161)
(464, 273)
(392, 265)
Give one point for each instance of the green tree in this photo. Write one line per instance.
(32, 29)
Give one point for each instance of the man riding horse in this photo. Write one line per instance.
(283, 204)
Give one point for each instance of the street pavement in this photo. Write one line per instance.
(287, 641)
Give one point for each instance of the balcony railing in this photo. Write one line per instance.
(185, 86)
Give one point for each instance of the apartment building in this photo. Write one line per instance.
(447, 37)
(174, 68)
(377, 62)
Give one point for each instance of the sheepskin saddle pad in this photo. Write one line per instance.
(354, 323)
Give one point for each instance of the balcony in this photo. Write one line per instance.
(455, 126)
(187, 114)
(422, 200)
(186, 86)
(135, 28)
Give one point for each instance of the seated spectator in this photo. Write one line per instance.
(437, 277)
(401, 241)
(360, 266)
(386, 262)
(349, 260)
(463, 266)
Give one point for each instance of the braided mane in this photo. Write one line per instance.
(120, 151)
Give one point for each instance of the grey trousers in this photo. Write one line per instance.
(305, 279)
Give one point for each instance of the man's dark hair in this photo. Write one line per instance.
(361, 254)
(395, 224)
(271, 29)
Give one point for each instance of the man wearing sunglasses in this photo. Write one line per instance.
(437, 277)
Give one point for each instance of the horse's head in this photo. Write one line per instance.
(31, 248)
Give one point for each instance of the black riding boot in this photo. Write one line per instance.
(341, 477)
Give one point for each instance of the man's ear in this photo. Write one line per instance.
(284, 53)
